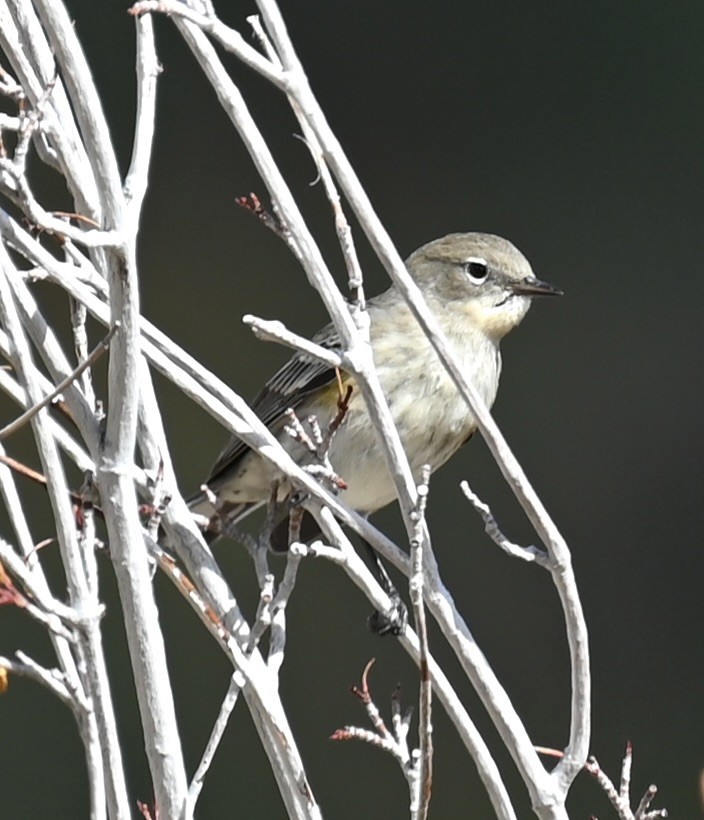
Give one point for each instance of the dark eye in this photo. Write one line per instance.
(476, 270)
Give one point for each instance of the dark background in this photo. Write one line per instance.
(576, 130)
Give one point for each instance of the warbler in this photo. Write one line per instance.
(479, 286)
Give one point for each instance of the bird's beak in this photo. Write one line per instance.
(534, 287)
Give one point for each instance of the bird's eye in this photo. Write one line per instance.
(476, 270)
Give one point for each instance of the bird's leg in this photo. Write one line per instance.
(395, 619)
(274, 510)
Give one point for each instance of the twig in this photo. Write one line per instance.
(98, 351)
(394, 741)
(52, 679)
(227, 37)
(51, 351)
(79, 314)
(620, 799)
(344, 234)
(318, 445)
(39, 593)
(421, 800)
(251, 203)
(492, 529)
(279, 605)
(216, 735)
(148, 70)
(276, 331)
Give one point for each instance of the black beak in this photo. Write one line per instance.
(534, 287)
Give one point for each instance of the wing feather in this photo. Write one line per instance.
(298, 378)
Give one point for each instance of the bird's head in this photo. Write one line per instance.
(481, 275)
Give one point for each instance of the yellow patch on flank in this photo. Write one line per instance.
(335, 392)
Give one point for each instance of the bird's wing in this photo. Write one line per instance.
(298, 378)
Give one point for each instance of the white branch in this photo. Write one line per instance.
(227, 37)
(148, 69)
(102, 722)
(276, 331)
(52, 679)
(494, 532)
(218, 730)
(421, 798)
(20, 421)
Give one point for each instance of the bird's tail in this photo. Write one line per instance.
(215, 521)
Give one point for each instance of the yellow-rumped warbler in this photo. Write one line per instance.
(479, 287)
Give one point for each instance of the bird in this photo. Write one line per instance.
(479, 286)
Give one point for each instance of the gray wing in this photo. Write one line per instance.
(298, 378)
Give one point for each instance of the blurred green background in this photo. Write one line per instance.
(575, 130)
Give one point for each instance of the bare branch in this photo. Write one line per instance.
(494, 532)
(40, 594)
(218, 730)
(148, 70)
(276, 331)
(98, 351)
(52, 679)
(227, 37)
(621, 800)
(421, 799)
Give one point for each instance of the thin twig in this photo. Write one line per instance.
(52, 679)
(251, 203)
(492, 529)
(279, 605)
(620, 799)
(344, 233)
(276, 331)
(216, 735)
(227, 37)
(148, 70)
(421, 803)
(97, 352)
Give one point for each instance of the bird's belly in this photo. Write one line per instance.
(433, 422)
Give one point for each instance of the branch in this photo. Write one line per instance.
(421, 803)
(275, 331)
(51, 679)
(621, 799)
(226, 708)
(227, 37)
(148, 70)
(494, 532)
(102, 722)
(98, 351)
